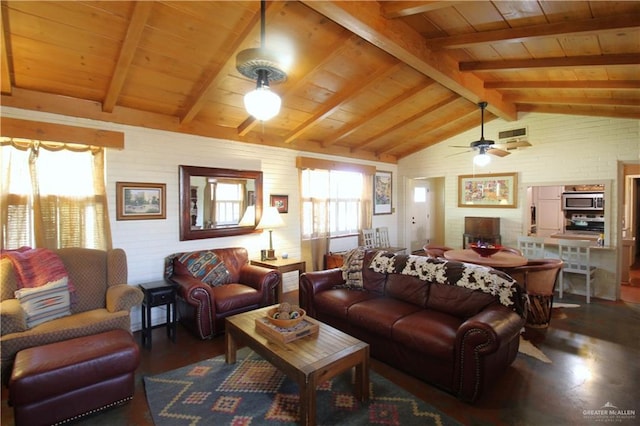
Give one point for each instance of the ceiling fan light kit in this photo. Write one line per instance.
(261, 65)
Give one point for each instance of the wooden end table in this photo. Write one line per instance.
(309, 361)
(158, 293)
(282, 265)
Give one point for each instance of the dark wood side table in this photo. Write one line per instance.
(158, 293)
(282, 265)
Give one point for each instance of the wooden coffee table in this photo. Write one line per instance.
(309, 361)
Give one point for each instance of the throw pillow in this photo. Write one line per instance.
(45, 303)
(206, 266)
(352, 268)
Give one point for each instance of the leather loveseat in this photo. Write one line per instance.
(451, 324)
(103, 302)
(214, 284)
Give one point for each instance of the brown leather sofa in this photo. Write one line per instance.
(432, 325)
(202, 307)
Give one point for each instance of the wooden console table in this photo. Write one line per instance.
(282, 265)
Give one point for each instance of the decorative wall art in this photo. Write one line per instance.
(140, 201)
(382, 187)
(281, 202)
(491, 190)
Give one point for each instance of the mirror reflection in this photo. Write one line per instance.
(218, 202)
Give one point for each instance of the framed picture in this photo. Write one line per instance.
(140, 201)
(492, 190)
(382, 193)
(281, 202)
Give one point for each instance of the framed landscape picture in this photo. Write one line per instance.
(491, 190)
(382, 187)
(140, 201)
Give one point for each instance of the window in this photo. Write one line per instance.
(229, 200)
(332, 202)
(53, 196)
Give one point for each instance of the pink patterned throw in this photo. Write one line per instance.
(35, 267)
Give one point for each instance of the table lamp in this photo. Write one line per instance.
(249, 217)
(270, 219)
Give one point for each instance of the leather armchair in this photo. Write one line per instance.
(202, 308)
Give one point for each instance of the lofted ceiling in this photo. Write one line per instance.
(368, 80)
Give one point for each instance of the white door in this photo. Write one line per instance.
(418, 219)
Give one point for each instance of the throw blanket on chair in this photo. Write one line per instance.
(468, 275)
(35, 267)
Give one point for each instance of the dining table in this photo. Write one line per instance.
(499, 260)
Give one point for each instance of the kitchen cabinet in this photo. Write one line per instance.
(549, 215)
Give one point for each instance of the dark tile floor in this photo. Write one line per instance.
(594, 351)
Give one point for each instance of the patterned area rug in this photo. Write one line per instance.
(253, 392)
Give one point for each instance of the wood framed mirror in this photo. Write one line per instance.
(219, 202)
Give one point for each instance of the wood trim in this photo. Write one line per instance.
(317, 163)
(37, 130)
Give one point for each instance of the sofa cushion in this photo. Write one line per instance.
(428, 331)
(232, 297)
(205, 266)
(408, 289)
(380, 314)
(373, 281)
(336, 302)
(45, 303)
(461, 302)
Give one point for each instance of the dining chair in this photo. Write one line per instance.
(531, 247)
(538, 279)
(576, 255)
(383, 236)
(369, 238)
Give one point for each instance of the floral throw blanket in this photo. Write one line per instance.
(474, 277)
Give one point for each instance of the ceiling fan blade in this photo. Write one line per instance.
(497, 152)
(459, 153)
(459, 146)
(514, 145)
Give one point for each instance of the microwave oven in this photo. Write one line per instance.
(583, 201)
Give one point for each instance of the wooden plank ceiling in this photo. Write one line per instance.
(368, 80)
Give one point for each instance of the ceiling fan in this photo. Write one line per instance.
(483, 146)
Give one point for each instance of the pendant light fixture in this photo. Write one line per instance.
(262, 66)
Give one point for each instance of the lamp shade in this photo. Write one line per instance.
(262, 103)
(270, 219)
(481, 159)
(249, 217)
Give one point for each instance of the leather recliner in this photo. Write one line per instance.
(202, 307)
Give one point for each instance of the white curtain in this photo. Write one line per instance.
(53, 196)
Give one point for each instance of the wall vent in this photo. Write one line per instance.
(513, 135)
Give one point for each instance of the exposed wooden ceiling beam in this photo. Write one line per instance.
(331, 105)
(523, 34)
(65, 105)
(137, 23)
(529, 99)
(400, 40)
(442, 103)
(398, 9)
(306, 72)
(393, 103)
(572, 62)
(614, 112)
(418, 135)
(582, 84)
(5, 71)
(199, 95)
